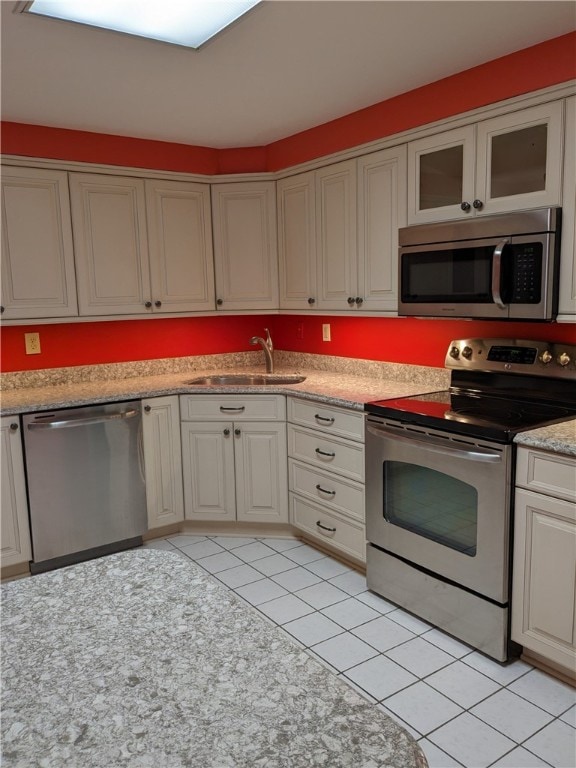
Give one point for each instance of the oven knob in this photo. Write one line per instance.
(467, 352)
(563, 359)
(546, 357)
(454, 352)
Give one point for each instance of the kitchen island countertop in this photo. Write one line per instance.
(141, 660)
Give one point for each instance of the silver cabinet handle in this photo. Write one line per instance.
(325, 527)
(324, 490)
(496, 272)
(327, 419)
(325, 453)
(232, 409)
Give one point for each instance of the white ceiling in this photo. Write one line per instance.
(287, 66)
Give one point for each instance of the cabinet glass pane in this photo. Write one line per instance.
(441, 177)
(432, 504)
(518, 162)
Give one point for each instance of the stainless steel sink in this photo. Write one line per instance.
(243, 379)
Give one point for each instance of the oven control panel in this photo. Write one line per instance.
(536, 358)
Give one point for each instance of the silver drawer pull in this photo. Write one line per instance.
(327, 419)
(325, 453)
(325, 527)
(230, 409)
(323, 490)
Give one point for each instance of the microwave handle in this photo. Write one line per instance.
(497, 272)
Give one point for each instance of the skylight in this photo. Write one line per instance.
(181, 22)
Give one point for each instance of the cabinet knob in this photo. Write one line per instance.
(359, 300)
(1, 310)
(477, 204)
(147, 408)
(237, 432)
(351, 300)
(219, 302)
(14, 427)
(311, 300)
(147, 304)
(465, 206)
(157, 303)
(226, 432)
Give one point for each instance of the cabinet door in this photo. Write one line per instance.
(180, 241)
(336, 236)
(37, 255)
(567, 300)
(110, 241)
(163, 460)
(15, 531)
(297, 241)
(261, 472)
(381, 211)
(208, 471)
(245, 250)
(441, 176)
(544, 583)
(519, 160)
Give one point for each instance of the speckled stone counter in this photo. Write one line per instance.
(345, 382)
(558, 438)
(141, 660)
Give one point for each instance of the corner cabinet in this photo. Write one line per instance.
(141, 246)
(507, 163)
(326, 475)
(16, 547)
(162, 460)
(544, 561)
(38, 277)
(234, 458)
(245, 248)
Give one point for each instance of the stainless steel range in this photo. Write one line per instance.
(439, 484)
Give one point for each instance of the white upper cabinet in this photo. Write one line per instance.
(111, 244)
(37, 256)
(245, 249)
(180, 243)
(507, 163)
(297, 241)
(141, 246)
(567, 301)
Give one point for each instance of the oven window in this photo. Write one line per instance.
(431, 504)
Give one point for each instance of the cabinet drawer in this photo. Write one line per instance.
(344, 496)
(548, 473)
(233, 407)
(328, 528)
(329, 453)
(337, 421)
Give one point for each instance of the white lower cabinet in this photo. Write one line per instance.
(544, 565)
(326, 475)
(234, 458)
(16, 549)
(162, 460)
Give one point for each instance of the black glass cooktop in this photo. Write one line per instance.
(499, 418)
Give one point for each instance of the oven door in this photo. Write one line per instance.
(440, 502)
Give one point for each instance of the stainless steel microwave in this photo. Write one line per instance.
(502, 267)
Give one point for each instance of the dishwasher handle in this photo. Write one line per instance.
(51, 422)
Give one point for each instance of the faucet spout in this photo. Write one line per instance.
(267, 348)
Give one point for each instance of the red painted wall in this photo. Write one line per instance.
(395, 340)
(401, 340)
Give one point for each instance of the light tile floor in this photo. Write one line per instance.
(463, 708)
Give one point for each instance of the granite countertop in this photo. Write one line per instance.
(141, 660)
(558, 438)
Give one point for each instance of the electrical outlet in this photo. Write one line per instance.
(326, 332)
(32, 342)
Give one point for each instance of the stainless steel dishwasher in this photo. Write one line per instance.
(85, 473)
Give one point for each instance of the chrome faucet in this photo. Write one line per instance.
(268, 349)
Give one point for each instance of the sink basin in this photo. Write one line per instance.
(243, 379)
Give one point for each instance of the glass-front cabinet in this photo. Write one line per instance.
(503, 164)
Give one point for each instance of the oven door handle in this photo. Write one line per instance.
(497, 272)
(438, 445)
